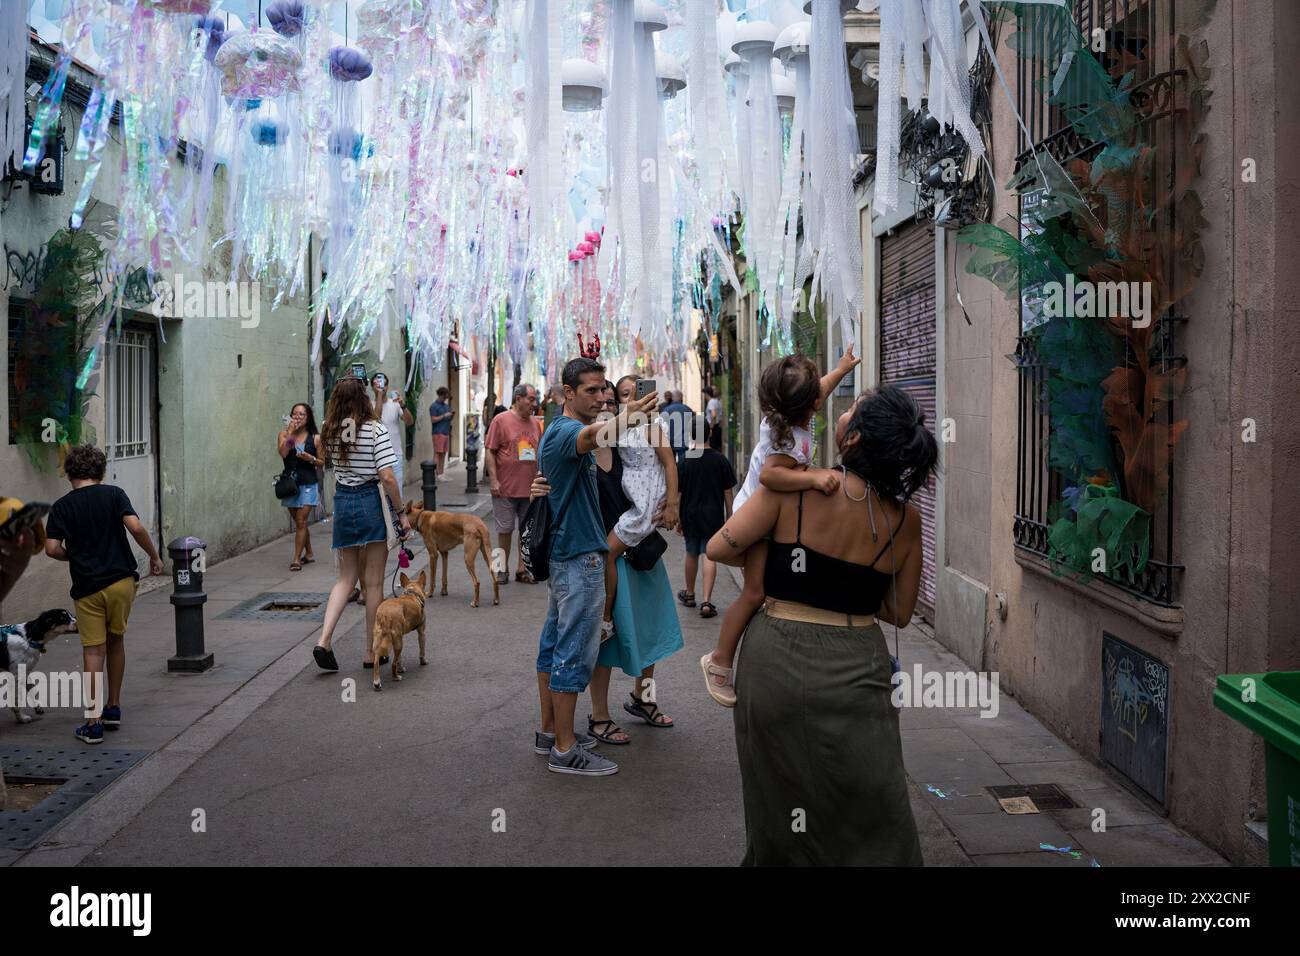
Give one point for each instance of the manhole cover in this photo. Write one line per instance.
(1046, 796)
(66, 777)
(280, 606)
(292, 606)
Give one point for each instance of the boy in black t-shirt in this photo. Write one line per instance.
(87, 528)
(707, 481)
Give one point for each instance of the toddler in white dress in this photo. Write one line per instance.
(649, 477)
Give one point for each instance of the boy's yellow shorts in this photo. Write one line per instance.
(105, 612)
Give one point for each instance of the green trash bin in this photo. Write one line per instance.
(1269, 704)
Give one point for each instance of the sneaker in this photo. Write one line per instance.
(724, 693)
(112, 718)
(581, 762)
(543, 742)
(89, 733)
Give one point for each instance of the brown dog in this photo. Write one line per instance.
(444, 530)
(394, 619)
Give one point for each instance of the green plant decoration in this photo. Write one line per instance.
(1113, 213)
(1103, 522)
(60, 325)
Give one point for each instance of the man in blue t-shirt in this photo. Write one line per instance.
(570, 640)
(440, 415)
(680, 418)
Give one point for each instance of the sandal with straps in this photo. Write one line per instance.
(725, 693)
(648, 711)
(606, 736)
(708, 609)
(686, 597)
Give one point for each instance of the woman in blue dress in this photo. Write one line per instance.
(646, 629)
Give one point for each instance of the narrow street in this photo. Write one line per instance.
(286, 771)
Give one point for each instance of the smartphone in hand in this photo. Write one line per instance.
(645, 386)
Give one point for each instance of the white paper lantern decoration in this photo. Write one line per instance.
(670, 73)
(756, 35)
(792, 42)
(583, 85)
(650, 15)
(783, 87)
(734, 64)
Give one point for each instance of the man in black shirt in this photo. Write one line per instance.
(707, 481)
(87, 528)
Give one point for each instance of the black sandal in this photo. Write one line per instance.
(687, 598)
(324, 658)
(708, 609)
(647, 711)
(370, 665)
(607, 736)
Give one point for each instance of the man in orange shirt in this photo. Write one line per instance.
(511, 459)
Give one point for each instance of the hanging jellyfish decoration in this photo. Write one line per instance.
(209, 33)
(347, 67)
(256, 67)
(348, 149)
(287, 18)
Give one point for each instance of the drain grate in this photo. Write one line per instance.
(280, 606)
(80, 774)
(1046, 796)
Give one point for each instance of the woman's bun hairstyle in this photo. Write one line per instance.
(894, 451)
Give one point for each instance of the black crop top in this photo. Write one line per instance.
(833, 584)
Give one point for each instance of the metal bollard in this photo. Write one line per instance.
(189, 561)
(429, 484)
(471, 471)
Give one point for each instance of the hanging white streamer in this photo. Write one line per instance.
(13, 82)
(837, 269)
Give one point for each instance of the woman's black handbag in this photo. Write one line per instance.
(286, 486)
(646, 555)
(535, 539)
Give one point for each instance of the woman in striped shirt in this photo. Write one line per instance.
(358, 446)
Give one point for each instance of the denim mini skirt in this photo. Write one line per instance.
(308, 496)
(358, 516)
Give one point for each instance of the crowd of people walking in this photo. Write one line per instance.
(828, 556)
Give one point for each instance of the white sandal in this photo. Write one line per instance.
(724, 694)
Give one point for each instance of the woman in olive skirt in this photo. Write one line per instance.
(821, 761)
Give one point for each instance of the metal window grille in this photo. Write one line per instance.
(127, 395)
(1140, 30)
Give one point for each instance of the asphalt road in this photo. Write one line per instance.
(421, 772)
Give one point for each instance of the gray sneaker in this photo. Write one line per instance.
(543, 742)
(581, 762)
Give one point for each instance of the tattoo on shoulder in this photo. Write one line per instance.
(726, 536)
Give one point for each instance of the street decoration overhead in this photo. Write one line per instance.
(504, 174)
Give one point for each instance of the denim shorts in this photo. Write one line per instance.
(358, 516)
(697, 545)
(308, 496)
(570, 637)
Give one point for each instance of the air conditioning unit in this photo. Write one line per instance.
(47, 177)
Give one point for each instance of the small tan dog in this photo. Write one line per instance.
(444, 530)
(394, 619)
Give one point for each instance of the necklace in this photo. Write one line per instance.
(866, 494)
(844, 485)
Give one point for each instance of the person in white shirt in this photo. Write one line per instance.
(393, 415)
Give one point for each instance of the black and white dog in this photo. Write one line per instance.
(23, 645)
